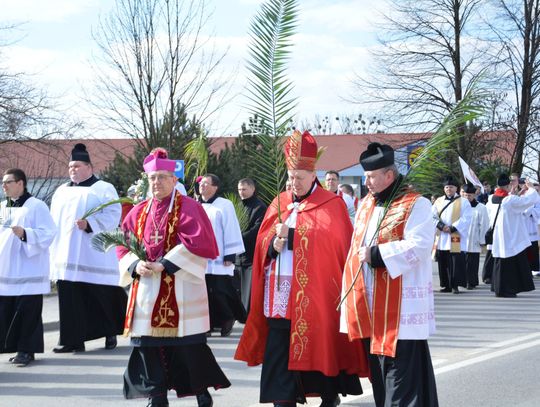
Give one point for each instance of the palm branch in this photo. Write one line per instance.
(196, 156)
(240, 210)
(427, 169)
(269, 91)
(98, 208)
(104, 241)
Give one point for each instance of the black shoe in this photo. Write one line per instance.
(110, 342)
(331, 402)
(205, 399)
(22, 359)
(470, 287)
(487, 281)
(445, 290)
(455, 290)
(227, 327)
(161, 403)
(506, 295)
(69, 349)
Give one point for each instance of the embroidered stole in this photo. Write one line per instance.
(381, 324)
(455, 238)
(165, 314)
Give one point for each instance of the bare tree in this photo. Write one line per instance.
(516, 29)
(425, 64)
(27, 113)
(342, 124)
(156, 61)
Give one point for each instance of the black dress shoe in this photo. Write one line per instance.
(69, 349)
(110, 342)
(455, 290)
(227, 327)
(445, 290)
(506, 295)
(204, 399)
(160, 403)
(330, 402)
(22, 359)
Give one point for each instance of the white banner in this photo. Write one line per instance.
(469, 174)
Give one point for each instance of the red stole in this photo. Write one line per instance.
(165, 314)
(382, 323)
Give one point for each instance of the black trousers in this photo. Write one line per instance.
(244, 277)
(89, 311)
(21, 326)
(406, 380)
(487, 271)
(533, 256)
(224, 303)
(472, 261)
(451, 269)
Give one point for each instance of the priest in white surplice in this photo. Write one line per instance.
(224, 301)
(391, 304)
(476, 237)
(92, 304)
(511, 270)
(26, 231)
(452, 216)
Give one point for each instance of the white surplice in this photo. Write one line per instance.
(532, 219)
(510, 235)
(189, 288)
(227, 232)
(461, 224)
(409, 258)
(72, 255)
(25, 265)
(478, 228)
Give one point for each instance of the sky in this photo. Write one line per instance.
(54, 44)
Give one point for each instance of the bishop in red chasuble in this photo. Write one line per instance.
(293, 324)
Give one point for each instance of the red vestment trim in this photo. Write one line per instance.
(382, 324)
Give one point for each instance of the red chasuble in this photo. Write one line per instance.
(321, 241)
(161, 230)
(381, 323)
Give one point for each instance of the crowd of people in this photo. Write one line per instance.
(331, 287)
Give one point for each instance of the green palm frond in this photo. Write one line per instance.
(104, 241)
(196, 156)
(432, 162)
(269, 91)
(98, 208)
(269, 50)
(240, 210)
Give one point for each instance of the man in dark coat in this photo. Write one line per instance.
(255, 210)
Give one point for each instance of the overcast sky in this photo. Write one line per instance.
(334, 37)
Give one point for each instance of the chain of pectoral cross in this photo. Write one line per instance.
(157, 237)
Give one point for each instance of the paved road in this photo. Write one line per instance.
(486, 352)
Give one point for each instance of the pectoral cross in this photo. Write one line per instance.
(157, 237)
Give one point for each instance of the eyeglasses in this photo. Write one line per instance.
(9, 181)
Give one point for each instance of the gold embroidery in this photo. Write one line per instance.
(299, 339)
